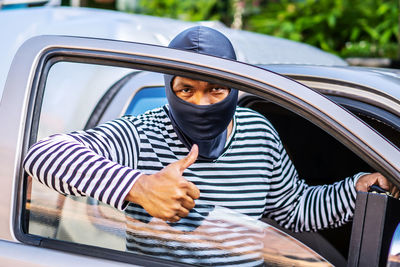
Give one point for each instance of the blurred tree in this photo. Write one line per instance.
(106, 4)
(192, 10)
(344, 27)
(238, 7)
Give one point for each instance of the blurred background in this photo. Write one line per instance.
(364, 32)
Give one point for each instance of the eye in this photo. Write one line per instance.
(220, 90)
(185, 90)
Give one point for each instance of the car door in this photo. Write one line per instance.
(30, 113)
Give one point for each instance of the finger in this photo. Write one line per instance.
(188, 203)
(189, 159)
(173, 219)
(193, 191)
(182, 212)
(394, 190)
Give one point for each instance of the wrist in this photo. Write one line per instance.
(357, 177)
(136, 190)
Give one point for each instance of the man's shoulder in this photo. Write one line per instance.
(247, 114)
(251, 118)
(157, 116)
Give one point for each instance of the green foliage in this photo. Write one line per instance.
(190, 10)
(345, 27)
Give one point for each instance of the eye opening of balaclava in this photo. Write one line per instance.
(204, 125)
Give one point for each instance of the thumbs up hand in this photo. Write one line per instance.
(166, 194)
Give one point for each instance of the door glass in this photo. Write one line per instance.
(145, 99)
(71, 93)
(394, 252)
(213, 235)
(209, 235)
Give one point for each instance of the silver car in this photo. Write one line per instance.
(333, 120)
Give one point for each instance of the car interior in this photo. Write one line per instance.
(319, 159)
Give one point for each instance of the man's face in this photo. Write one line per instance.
(198, 92)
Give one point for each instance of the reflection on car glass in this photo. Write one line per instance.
(394, 252)
(217, 236)
(145, 99)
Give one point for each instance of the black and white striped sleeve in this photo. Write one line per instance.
(300, 207)
(99, 163)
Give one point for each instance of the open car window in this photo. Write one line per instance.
(145, 90)
(304, 141)
(49, 219)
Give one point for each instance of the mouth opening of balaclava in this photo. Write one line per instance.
(204, 125)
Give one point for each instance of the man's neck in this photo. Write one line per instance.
(230, 127)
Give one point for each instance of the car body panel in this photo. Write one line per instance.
(20, 255)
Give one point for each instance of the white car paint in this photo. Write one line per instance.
(252, 48)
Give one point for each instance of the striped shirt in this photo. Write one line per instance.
(254, 175)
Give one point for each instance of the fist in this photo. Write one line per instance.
(167, 194)
(364, 182)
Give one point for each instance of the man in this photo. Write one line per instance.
(143, 165)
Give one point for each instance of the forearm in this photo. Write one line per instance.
(84, 164)
(321, 207)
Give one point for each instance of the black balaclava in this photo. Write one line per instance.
(204, 125)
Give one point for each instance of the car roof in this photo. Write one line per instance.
(382, 80)
(252, 48)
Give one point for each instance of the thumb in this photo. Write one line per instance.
(189, 159)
